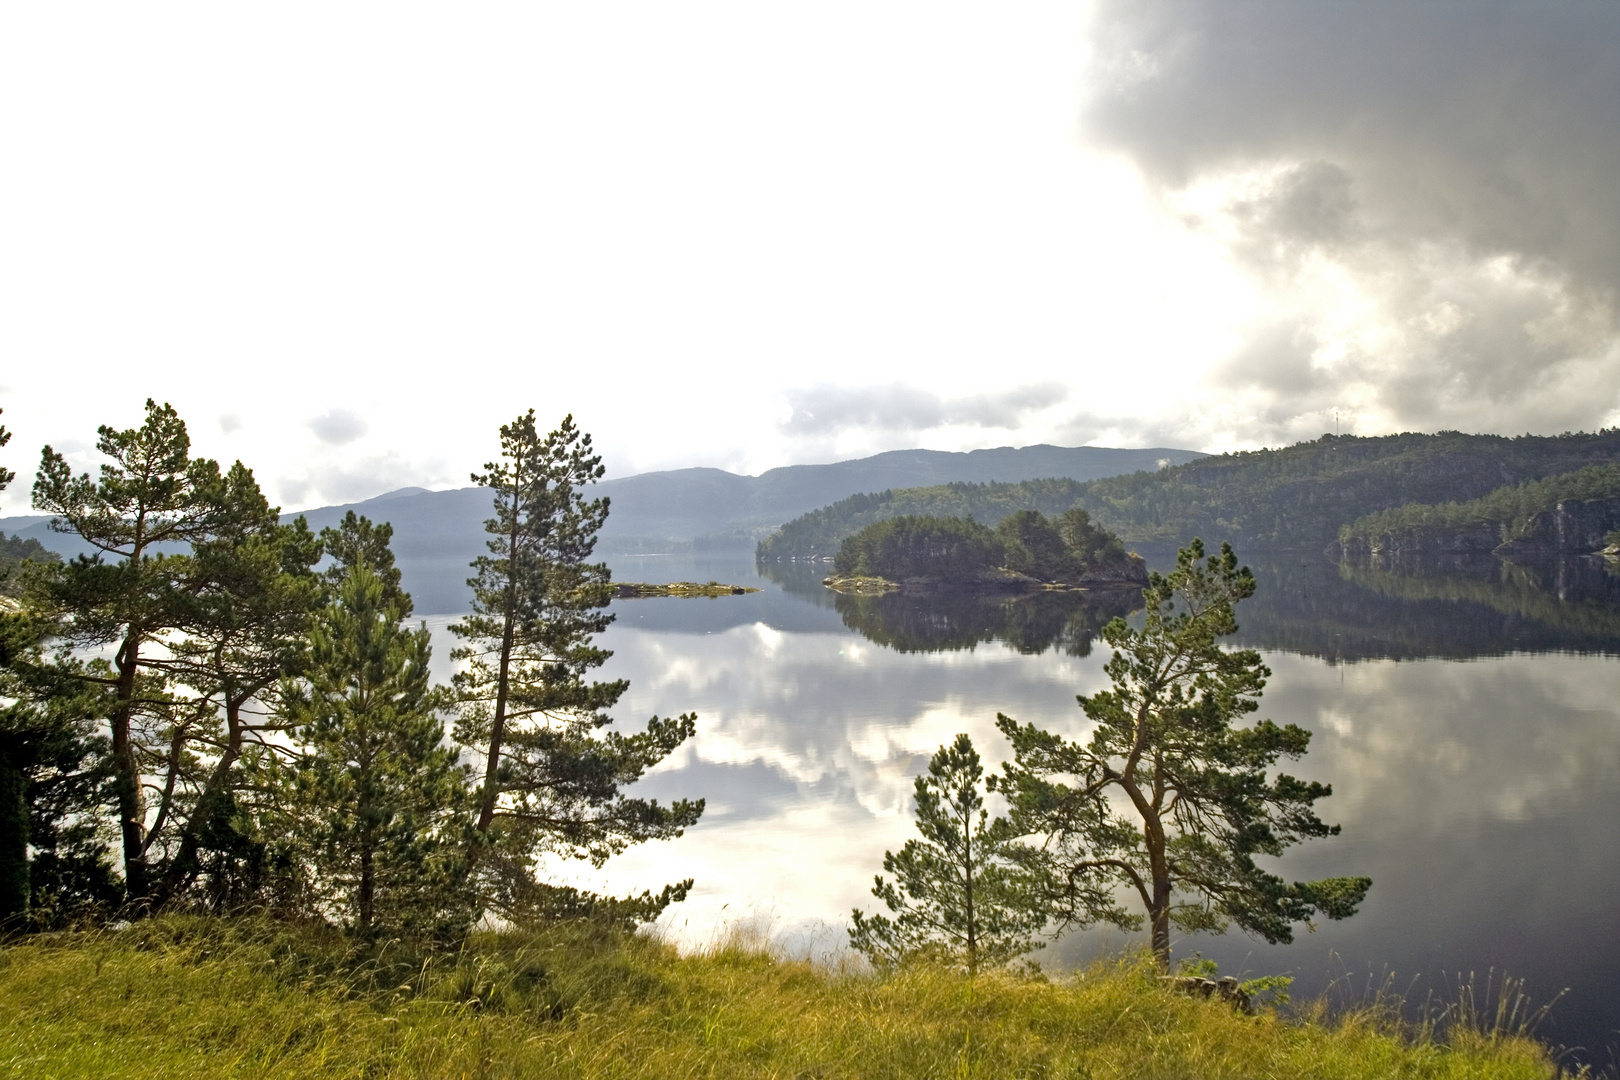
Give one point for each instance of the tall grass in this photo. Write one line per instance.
(199, 998)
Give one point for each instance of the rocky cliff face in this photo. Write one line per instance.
(1573, 527)
(1420, 546)
(1131, 570)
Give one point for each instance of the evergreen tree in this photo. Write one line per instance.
(375, 796)
(960, 894)
(170, 533)
(1034, 546)
(551, 774)
(54, 789)
(253, 592)
(6, 475)
(357, 540)
(1168, 799)
(1088, 543)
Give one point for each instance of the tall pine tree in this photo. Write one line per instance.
(376, 798)
(140, 594)
(552, 772)
(1170, 797)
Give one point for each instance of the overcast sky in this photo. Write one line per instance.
(347, 241)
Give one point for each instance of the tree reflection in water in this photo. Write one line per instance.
(945, 619)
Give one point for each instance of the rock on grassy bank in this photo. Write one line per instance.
(210, 998)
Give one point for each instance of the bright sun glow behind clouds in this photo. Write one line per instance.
(347, 241)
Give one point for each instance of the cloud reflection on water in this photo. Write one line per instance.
(1479, 795)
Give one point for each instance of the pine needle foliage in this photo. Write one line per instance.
(181, 550)
(959, 897)
(375, 798)
(1169, 799)
(552, 773)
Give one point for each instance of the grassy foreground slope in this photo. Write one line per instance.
(188, 997)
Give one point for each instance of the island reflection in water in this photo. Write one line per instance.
(937, 620)
(1480, 796)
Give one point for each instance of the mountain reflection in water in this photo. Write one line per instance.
(1480, 796)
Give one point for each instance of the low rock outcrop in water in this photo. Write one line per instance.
(638, 590)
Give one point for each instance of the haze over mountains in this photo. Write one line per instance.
(436, 533)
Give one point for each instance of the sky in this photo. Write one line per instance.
(348, 241)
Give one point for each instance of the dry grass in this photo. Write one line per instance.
(200, 998)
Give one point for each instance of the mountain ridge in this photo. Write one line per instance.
(436, 533)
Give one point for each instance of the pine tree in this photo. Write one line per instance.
(54, 791)
(961, 895)
(6, 475)
(141, 593)
(376, 797)
(252, 594)
(356, 540)
(551, 774)
(1168, 799)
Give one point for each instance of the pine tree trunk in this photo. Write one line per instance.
(127, 775)
(13, 838)
(497, 730)
(368, 887)
(486, 810)
(1159, 909)
(972, 924)
(1160, 914)
(184, 867)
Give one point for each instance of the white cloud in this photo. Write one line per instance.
(686, 225)
(1411, 196)
(338, 426)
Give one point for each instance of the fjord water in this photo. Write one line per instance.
(1468, 721)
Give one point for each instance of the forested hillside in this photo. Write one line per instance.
(15, 550)
(1297, 496)
(819, 532)
(1510, 513)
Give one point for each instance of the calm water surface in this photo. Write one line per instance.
(1469, 723)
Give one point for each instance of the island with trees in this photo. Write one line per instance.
(1026, 550)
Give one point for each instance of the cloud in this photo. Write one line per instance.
(229, 422)
(338, 426)
(344, 479)
(827, 410)
(1421, 196)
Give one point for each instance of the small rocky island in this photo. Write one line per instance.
(639, 590)
(1027, 550)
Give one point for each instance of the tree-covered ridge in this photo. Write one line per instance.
(947, 548)
(820, 532)
(1300, 495)
(1296, 496)
(1025, 546)
(1511, 507)
(15, 550)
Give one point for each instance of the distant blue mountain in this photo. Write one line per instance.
(436, 533)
